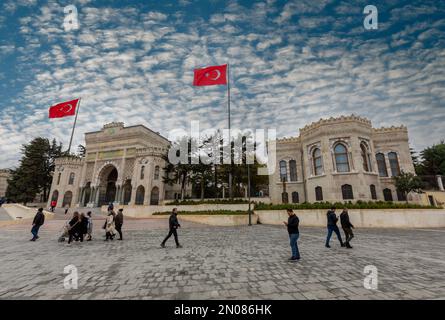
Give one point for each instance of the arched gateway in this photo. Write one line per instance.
(107, 185)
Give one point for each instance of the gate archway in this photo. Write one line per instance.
(107, 185)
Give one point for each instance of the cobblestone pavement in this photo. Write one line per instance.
(221, 263)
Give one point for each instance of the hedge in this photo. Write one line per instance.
(216, 201)
(339, 205)
(211, 212)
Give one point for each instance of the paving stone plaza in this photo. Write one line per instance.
(220, 263)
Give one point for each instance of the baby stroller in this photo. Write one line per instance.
(64, 233)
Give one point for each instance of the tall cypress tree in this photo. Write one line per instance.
(34, 174)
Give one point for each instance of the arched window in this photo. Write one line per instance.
(58, 178)
(318, 194)
(365, 157)
(341, 158)
(387, 194)
(401, 196)
(67, 198)
(71, 179)
(394, 164)
(140, 194)
(381, 164)
(127, 188)
(283, 170)
(346, 191)
(55, 196)
(293, 170)
(318, 162)
(284, 197)
(295, 197)
(142, 172)
(154, 198)
(156, 177)
(373, 192)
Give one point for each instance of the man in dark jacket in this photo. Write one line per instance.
(332, 227)
(118, 222)
(174, 224)
(292, 228)
(39, 220)
(347, 227)
(75, 226)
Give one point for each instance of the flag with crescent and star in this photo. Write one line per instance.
(211, 76)
(64, 109)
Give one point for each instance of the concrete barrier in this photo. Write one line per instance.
(147, 211)
(20, 212)
(220, 220)
(363, 218)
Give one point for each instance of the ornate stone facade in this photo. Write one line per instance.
(340, 159)
(122, 165)
(4, 176)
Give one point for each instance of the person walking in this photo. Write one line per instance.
(347, 227)
(89, 226)
(109, 226)
(110, 207)
(74, 227)
(83, 228)
(53, 205)
(67, 207)
(39, 220)
(292, 228)
(332, 227)
(118, 222)
(174, 225)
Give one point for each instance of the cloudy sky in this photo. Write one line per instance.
(292, 62)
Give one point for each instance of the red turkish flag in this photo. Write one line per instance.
(210, 76)
(63, 109)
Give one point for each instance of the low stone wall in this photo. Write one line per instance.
(19, 212)
(221, 220)
(363, 218)
(147, 211)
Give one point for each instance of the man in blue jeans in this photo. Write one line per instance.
(332, 227)
(38, 221)
(292, 227)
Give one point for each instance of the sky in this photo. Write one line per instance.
(291, 63)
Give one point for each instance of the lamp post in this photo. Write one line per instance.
(248, 193)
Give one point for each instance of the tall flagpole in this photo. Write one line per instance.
(230, 138)
(74, 126)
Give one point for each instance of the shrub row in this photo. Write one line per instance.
(212, 212)
(339, 205)
(216, 201)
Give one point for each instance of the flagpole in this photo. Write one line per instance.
(230, 138)
(74, 126)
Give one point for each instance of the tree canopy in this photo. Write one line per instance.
(34, 173)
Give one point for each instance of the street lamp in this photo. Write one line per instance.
(248, 192)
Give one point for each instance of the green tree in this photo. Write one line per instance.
(407, 182)
(34, 174)
(433, 160)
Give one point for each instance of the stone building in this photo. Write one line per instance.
(122, 165)
(340, 159)
(4, 176)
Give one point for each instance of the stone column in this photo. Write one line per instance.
(80, 197)
(133, 195)
(117, 196)
(96, 197)
(440, 183)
